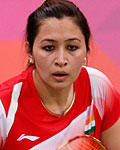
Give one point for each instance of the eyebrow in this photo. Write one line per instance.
(72, 39)
(50, 40)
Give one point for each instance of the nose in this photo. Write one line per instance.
(61, 58)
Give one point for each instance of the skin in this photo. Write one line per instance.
(62, 48)
(111, 137)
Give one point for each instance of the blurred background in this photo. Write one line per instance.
(104, 21)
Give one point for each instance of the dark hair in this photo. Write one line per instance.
(58, 9)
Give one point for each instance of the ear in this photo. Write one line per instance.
(29, 52)
(85, 58)
(27, 47)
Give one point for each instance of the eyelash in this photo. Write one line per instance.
(52, 47)
(49, 48)
(72, 47)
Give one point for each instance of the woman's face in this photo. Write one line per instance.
(58, 51)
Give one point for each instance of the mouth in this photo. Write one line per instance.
(60, 76)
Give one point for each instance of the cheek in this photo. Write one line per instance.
(79, 59)
(40, 61)
(43, 65)
(77, 65)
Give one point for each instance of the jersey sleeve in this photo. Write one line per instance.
(111, 107)
(105, 98)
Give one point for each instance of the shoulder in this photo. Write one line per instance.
(101, 86)
(95, 73)
(12, 87)
(10, 91)
(9, 84)
(104, 95)
(98, 79)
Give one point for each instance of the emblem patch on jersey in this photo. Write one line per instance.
(29, 137)
(90, 125)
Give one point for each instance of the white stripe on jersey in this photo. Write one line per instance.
(100, 88)
(13, 106)
(3, 125)
(75, 128)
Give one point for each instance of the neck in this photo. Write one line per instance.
(56, 100)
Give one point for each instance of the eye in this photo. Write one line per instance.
(49, 47)
(72, 47)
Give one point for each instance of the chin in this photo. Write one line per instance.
(61, 86)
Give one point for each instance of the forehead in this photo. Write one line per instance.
(59, 28)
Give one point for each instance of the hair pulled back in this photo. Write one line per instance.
(58, 9)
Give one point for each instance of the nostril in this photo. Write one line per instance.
(61, 63)
(65, 63)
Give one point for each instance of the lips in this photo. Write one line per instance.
(60, 76)
(60, 73)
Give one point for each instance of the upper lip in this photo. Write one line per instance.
(60, 73)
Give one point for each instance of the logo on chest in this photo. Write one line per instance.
(29, 137)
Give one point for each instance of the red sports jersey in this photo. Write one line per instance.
(26, 125)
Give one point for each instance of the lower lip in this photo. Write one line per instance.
(60, 78)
